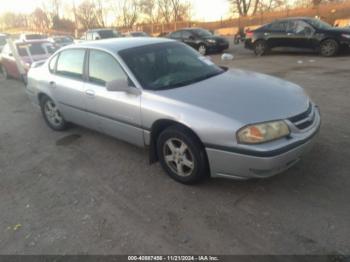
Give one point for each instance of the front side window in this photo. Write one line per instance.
(168, 65)
(302, 28)
(71, 63)
(202, 33)
(103, 68)
(186, 35)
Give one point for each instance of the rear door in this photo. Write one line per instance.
(66, 83)
(277, 35)
(114, 113)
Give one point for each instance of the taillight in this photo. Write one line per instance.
(249, 34)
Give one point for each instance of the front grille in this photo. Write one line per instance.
(305, 119)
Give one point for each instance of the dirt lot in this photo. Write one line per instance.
(83, 192)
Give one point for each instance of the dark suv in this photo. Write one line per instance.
(200, 39)
(304, 32)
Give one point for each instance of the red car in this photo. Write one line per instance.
(29, 52)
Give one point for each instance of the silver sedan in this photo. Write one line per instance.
(196, 118)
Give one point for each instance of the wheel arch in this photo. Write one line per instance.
(157, 128)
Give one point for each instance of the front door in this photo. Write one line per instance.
(114, 113)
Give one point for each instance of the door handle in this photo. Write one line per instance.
(90, 92)
(290, 34)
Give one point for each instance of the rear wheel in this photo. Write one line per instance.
(260, 47)
(52, 115)
(3, 72)
(181, 155)
(329, 47)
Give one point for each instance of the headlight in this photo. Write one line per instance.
(212, 41)
(346, 36)
(264, 132)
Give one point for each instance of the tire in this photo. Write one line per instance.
(52, 115)
(3, 73)
(260, 47)
(202, 49)
(329, 47)
(182, 155)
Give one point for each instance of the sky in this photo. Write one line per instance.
(205, 10)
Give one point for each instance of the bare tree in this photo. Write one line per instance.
(165, 10)
(40, 19)
(128, 12)
(86, 14)
(245, 7)
(150, 11)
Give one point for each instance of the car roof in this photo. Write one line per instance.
(100, 29)
(295, 18)
(32, 41)
(117, 44)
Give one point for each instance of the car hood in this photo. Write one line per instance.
(243, 96)
(338, 30)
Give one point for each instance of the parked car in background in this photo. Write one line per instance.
(195, 117)
(299, 32)
(61, 40)
(28, 37)
(3, 38)
(98, 34)
(137, 34)
(200, 39)
(29, 52)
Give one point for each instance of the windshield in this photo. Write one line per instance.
(34, 36)
(319, 24)
(168, 65)
(35, 49)
(107, 34)
(202, 32)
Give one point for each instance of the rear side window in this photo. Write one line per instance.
(71, 63)
(279, 26)
(104, 68)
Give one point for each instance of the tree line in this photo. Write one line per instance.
(65, 15)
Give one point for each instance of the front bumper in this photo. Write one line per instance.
(230, 164)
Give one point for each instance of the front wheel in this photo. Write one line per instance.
(52, 115)
(260, 47)
(181, 155)
(329, 47)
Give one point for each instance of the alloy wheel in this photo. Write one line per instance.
(328, 48)
(52, 114)
(178, 157)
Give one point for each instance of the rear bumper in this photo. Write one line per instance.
(237, 165)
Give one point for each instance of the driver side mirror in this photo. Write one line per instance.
(121, 85)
